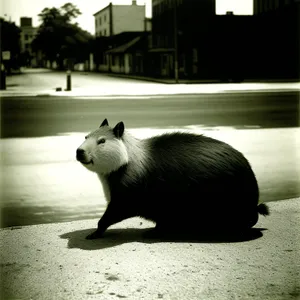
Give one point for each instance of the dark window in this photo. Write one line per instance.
(104, 18)
(100, 21)
(166, 41)
(155, 10)
(195, 55)
(260, 6)
(104, 32)
(130, 60)
(26, 37)
(165, 60)
(122, 60)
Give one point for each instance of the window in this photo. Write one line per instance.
(260, 6)
(155, 10)
(100, 21)
(159, 41)
(130, 60)
(104, 32)
(26, 37)
(195, 55)
(104, 18)
(122, 61)
(165, 60)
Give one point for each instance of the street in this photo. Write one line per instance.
(47, 116)
(43, 183)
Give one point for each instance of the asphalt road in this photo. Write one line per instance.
(44, 116)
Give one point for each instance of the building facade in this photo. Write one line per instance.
(114, 19)
(228, 47)
(122, 53)
(261, 6)
(176, 29)
(128, 58)
(278, 38)
(28, 33)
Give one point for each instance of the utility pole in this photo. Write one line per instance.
(175, 42)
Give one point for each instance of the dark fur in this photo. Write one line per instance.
(191, 182)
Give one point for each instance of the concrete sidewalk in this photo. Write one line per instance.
(54, 261)
(45, 82)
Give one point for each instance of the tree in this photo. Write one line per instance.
(10, 41)
(60, 39)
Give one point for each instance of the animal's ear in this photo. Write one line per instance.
(104, 123)
(119, 129)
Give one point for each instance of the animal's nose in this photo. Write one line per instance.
(80, 154)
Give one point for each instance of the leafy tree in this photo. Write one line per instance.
(70, 11)
(58, 38)
(10, 41)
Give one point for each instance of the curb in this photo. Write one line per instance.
(169, 94)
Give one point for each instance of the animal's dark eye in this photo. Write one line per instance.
(86, 137)
(101, 141)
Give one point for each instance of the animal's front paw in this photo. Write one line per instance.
(94, 235)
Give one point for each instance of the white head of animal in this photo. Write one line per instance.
(103, 150)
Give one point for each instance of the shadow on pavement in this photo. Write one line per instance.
(116, 237)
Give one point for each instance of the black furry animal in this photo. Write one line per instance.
(181, 181)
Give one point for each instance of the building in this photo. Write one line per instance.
(122, 53)
(278, 38)
(28, 33)
(129, 57)
(121, 43)
(189, 41)
(176, 31)
(114, 19)
(202, 44)
(261, 6)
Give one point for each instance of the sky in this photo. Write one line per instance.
(14, 9)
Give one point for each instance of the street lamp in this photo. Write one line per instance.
(175, 42)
